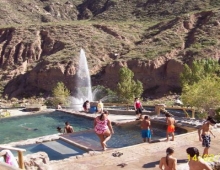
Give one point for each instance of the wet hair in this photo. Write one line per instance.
(169, 151)
(66, 123)
(102, 115)
(211, 120)
(192, 151)
(167, 114)
(146, 117)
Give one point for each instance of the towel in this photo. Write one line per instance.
(10, 159)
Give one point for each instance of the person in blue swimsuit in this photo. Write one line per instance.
(145, 129)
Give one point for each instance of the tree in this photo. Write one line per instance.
(200, 85)
(204, 94)
(199, 70)
(127, 88)
(60, 94)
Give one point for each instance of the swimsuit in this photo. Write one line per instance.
(101, 126)
(206, 139)
(170, 128)
(146, 133)
(138, 107)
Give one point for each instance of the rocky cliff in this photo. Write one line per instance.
(43, 47)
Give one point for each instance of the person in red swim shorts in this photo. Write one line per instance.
(170, 128)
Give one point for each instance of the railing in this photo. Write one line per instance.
(20, 155)
(158, 108)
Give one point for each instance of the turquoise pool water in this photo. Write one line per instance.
(56, 150)
(31, 126)
(25, 127)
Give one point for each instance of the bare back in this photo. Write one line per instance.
(170, 121)
(205, 128)
(145, 124)
(172, 163)
(198, 165)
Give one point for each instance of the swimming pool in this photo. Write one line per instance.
(36, 125)
(32, 126)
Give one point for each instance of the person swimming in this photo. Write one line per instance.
(59, 129)
(27, 128)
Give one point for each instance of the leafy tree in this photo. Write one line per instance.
(200, 85)
(204, 94)
(199, 70)
(127, 88)
(60, 94)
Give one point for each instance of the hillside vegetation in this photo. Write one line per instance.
(48, 34)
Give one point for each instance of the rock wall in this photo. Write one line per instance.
(158, 77)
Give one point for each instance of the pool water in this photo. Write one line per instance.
(32, 126)
(125, 135)
(56, 150)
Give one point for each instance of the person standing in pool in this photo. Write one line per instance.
(138, 108)
(170, 125)
(204, 134)
(145, 129)
(168, 162)
(68, 128)
(103, 128)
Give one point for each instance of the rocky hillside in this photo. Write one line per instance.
(40, 41)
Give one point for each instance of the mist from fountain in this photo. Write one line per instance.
(83, 90)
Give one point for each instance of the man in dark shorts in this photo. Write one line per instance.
(138, 108)
(204, 134)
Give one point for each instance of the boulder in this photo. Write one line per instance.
(39, 160)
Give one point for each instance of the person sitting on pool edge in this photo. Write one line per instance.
(68, 128)
(59, 107)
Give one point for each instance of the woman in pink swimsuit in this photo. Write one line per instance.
(103, 128)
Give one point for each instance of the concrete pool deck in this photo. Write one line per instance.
(141, 156)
